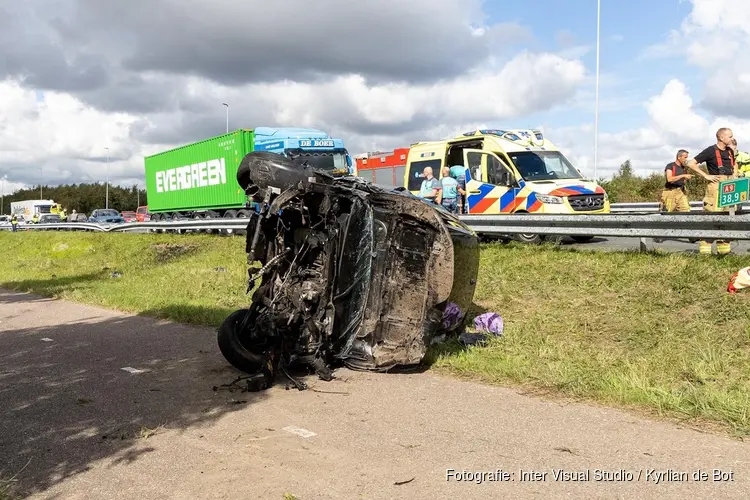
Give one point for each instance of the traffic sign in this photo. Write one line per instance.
(733, 192)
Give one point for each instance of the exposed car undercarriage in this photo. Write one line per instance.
(350, 274)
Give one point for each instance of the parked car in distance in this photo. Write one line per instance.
(106, 216)
(77, 217)
(129, 216)
(142, 215)
(50, 219)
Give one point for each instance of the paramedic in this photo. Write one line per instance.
(674, 196)
(720, 164)
(430, 185)
(450, 189)
(458, 172)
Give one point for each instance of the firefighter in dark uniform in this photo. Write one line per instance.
(720, 164)
(674, 196)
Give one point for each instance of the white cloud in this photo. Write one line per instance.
(67, 137)
(60, 137)
(674, 124)
(715, 38)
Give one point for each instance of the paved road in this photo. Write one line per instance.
(82, 387)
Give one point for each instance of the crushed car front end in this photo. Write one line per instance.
(350, 274)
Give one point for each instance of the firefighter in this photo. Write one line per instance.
(35, 219)
(720, 164)
(674, 196)
(14, 222)
(62, 214)
(742, 159)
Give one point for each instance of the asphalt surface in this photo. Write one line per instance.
(82, 389)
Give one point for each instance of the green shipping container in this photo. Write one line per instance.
(198, 176)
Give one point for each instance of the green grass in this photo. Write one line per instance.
(653, 331)
(197, 279)
(656, 332)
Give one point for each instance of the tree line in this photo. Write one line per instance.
(626, 187)
(83, 198)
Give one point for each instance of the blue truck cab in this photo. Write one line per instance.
(320, 150)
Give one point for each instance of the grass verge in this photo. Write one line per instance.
(650, 331)
(196, 279)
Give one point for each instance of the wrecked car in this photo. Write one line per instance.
(350, 274)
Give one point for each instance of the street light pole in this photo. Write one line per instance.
(106, 202)
(227, 105)
(596, 105)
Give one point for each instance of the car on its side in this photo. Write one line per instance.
(349, 274)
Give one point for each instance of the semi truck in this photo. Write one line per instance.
(198, 180)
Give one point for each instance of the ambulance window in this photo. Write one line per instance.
(495, 171)
(415, 172)
(475, 164)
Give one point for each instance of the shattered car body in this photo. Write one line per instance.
(351, 274)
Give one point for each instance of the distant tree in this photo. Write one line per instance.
(627, 187)
(83, 198)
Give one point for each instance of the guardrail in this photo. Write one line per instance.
(226, 225)
(653, 207)
(660, 225)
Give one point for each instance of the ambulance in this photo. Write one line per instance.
(507, 172)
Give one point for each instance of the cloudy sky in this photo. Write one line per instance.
(79, 76)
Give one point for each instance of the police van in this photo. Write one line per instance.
(509, 171)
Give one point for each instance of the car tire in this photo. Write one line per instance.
(228, 337)
(230, 214)
(529, 239)
(244, 214)
(582, 239)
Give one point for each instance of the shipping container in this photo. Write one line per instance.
(199, 176)
(200, 180)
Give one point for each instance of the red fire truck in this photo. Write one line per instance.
(383, 168)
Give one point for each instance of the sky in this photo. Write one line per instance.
(138, 77)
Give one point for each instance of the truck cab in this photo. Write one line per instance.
(509, 171)
(316, 147)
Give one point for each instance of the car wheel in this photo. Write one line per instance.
(243, 214)
(229, 337)
(529, 239)
(582, 239)
(230, 214)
